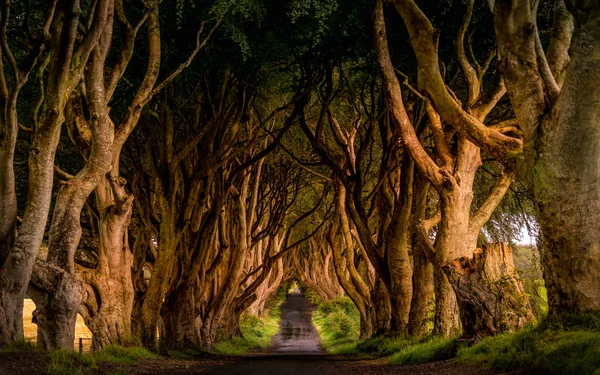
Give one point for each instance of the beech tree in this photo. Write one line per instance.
(541, 85)
(452, 175)
(68, 49)
(216, 150)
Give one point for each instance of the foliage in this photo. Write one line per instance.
(434, 349)
(528, 266)
(539, 351)
(338, 324)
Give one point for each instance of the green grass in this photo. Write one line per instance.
(338, 324)
(256, 333)
(119, 354)
(63, 362)
(19, 346)
(382, 346)
(187, 353)
(431, 350)
(540, 351)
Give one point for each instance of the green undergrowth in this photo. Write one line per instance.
(551, 348)
(338, 324)
(256, 334)
(256, 331)
(63, 362)
(428, 350)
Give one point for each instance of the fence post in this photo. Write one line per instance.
(80, 345)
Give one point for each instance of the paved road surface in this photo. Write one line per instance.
(296, 335)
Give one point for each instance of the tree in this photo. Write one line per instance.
(453, 175)
(68, 51)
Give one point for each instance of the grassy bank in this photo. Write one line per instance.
(256, 331)
(547, 349)
(256, 334)
(74, 363)
(570, 347)
(63, 362)
(338, 324)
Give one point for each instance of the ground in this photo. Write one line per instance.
(294, 350)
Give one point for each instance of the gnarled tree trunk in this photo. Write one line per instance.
(490, 295)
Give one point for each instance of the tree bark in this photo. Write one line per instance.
(66, 63)
(566, 174)
(490, 295)
(418, 321)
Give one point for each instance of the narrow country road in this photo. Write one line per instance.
(296, 335)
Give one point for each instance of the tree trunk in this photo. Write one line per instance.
(146, 327)
(57, 304)
(382, 307)
(108, 308)
(447, 320)
(16, 270)
(8, 200)
(490, 295)
(180, 315)
(566, 178)
(418, 321)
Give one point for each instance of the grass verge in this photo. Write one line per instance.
(19, 346)
(539, 351)
(430, 350)
(338, 324)
(63, 362)
(256, 331)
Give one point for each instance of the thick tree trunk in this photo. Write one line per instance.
(180, 315)
(447, 319)
(560, 140)
(146, 327)
(490, 295)
(382, 307)
(16, 270)
(422, 295)
(108, 308)
(452, 233)
(566, 178)
(57, 304)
